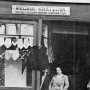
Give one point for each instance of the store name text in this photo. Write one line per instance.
(42, 10)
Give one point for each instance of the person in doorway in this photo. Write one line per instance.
(59, 81)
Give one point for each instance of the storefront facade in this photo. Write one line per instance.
(65, 27)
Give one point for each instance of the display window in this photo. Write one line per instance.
(15, 40)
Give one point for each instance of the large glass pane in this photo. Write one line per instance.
(27, 29)
(15, 44)
(11, 29)
(13, 67)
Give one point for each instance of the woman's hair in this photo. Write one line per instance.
(59, 68)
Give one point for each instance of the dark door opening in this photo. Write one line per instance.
(71, 52)
(63, 52)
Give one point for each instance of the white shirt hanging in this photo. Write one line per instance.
(20, 43)
(1, 41)
(26, 43)
(7, 42)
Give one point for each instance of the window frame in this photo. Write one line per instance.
(34, 40)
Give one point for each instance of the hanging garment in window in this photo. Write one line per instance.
(43, 58)
(32, 59)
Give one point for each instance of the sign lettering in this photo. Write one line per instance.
(40, 10)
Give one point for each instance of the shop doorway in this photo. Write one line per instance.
(71, 51)
(71, 54)
(63, 51)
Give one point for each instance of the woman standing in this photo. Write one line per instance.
(59, 81)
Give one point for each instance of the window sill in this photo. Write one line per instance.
(15, 88)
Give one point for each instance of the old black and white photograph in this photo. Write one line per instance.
(44, 44)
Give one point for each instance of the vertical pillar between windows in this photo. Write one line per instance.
(39, 33)
(33, 80)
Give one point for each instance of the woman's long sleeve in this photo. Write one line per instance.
(66, 83)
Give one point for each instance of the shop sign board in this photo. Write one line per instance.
(41, 10)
